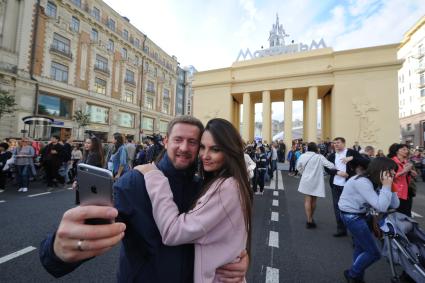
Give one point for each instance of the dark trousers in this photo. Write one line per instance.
(336, 194)
(259, 180)
(52, 172)
(405, 206)
(3, 177)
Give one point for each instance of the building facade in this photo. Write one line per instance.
(71, 55)
(180, 91)
(357, 90)
(411, 85)
(188, 92)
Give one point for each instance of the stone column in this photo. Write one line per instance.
(246, 116)
(312, 114)
(288, 118)
(305, 118)
(267, 117)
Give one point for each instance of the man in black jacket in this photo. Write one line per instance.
(4, 156)
(143, 256)
(345, 160)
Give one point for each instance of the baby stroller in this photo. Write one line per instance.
(404, 245)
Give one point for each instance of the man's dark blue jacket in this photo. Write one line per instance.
(143, 257)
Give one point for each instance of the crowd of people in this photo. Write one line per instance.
(55, 162)
(167, 212)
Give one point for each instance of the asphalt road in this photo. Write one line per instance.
(282, 251)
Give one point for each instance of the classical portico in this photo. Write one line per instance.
(357, 90)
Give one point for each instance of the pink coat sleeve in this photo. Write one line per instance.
(193, 226)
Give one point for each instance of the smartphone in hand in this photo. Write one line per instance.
(95, 187)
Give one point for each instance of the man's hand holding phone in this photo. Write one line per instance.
(76, 241)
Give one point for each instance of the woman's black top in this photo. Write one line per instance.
(92, 158)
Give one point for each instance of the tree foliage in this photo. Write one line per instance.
(82, 119)
(7, 103)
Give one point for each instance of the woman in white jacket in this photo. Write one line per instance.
(310, 165)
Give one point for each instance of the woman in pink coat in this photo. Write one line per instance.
(219, 222)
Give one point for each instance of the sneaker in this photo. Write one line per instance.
(24, 190)
(352, 279)
(310, 225)
(49, 189)
(1, 191)
(340, 234)
(20, 189)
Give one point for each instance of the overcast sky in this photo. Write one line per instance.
(208, 34)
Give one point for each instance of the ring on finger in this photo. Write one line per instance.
(79, 245)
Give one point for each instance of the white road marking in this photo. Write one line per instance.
(275, 202)
(275, 216)
(2, 201)
(272, 275)
(36, 195)
(414, 214)
(275, 193)
(274, 239)
(16, 254)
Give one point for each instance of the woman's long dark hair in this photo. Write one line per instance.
(376, 167)
(96, 148)
(392, 151)
(119, 142)
(229, 141)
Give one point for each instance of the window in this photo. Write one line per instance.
(422, 92)
(101, 64)
(128, 96)
(137, 42)
(409, 127)
(98, 114)
(100, 86)
(95, 13)
(51, 10)
(163, 126)
(422, 79)
(61, 44)
(124, 53)
(54, 106)
(125, 34)
(147, 123)
(77, 2)
(166, 107)
(110, 46)
(149, 101)
(75, 24)
(111, 24)
(126, 120)
(94, 35)
(150, 87)
(166, 94)
(129, 77)
(59, 72)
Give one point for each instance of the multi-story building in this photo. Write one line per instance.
(188, 105)
(180, 91)
(60, 56)
(411, 85)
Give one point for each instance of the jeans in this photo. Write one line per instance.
(23, 175)
(65, 170)
(336, 194)
(366, 251)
